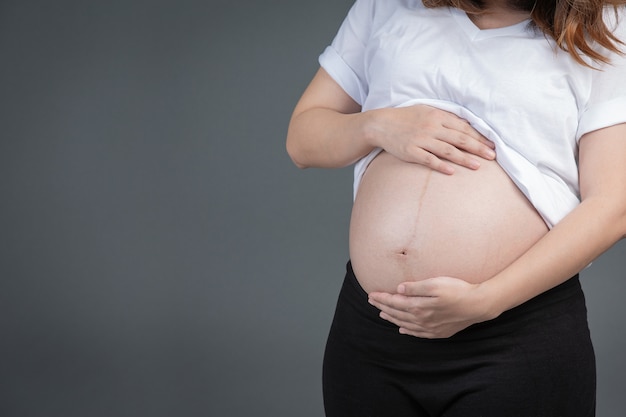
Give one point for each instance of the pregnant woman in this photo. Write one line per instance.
(489, 143)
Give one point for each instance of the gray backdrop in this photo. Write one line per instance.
(160, 254)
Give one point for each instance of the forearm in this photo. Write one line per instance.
(588, 231)
(585, 233)
(329, 130)
(326, 138)
(442, 306)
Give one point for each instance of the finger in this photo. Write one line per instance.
(390, 301)
(462, 125)
(462, 136)
(426, 334)
(420, 334)
(414, 328)
(469, 144)
(411, 328)
(454, 122)
(402, 302)
(428, 159)
(413, 318)
(423, 288)
(399, 317)
(442, 149)
(400, 323)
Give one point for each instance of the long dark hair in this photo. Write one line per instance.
(574, 24)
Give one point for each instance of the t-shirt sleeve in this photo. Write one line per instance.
(607, 100)
(344, 58)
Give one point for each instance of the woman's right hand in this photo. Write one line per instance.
(428, 136)
(328, 130)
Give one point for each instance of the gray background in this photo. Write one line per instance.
(160, 255)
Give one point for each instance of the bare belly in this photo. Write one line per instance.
(411, 223)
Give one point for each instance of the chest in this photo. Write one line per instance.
(498, 75)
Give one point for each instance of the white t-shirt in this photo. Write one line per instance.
(512, 84)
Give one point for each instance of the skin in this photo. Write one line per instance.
(327, 130)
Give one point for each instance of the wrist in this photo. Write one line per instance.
(370, 127)
(490, 298)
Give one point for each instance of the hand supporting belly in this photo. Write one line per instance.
(410, 223)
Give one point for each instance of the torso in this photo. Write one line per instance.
(513, 78)
(412, 223)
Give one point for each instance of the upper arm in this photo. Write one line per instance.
(602, 169)
(340, 83)
(324, 92)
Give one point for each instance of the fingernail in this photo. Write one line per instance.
(490, 153)
(474, 164)
(401, 289)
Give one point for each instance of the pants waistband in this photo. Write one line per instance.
(550, 303)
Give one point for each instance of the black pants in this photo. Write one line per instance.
(535, 360)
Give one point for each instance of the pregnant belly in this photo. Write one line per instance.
(411, 223)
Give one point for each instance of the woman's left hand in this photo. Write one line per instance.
(434, 308)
